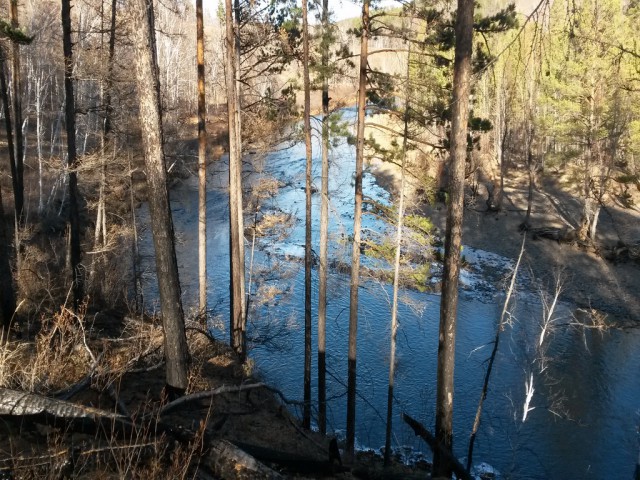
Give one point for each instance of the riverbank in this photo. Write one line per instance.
(593, 284)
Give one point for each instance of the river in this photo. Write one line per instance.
(585, 408)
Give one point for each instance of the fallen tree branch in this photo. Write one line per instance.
(208, 394)
(428, 437)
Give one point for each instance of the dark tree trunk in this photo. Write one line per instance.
(176, 350)
(306, 417)
(236, 231)
(108, 108)
(7, 291)
(324, 231)
(202, 164)
(74, 254)
(6, 108)
(453, 237)
(16, 97)
(357, 222)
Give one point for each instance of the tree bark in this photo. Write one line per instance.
(202, 164)
(6, 108)
(324, 231)
(7, 291)
(396, 275)
(357, 222)
(453, 238)
(176, 350)
(74, 254)
(236, 231)
(16, 98)
(306, 416)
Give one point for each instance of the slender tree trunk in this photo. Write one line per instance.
(236, 233)
(238, 120)
(6, 108)
(12, 156)
(453, 237)
(138, 304)
(396, 281)
(396, 265)
(324, 231)
(531, 169)
(7, 292)
(16, 98)
(176, 350)
(38, 107)
(74, 255)
(202, 164)
(502, 323)
(306, 417)
(357, 222)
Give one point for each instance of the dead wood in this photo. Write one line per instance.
(292, 461)
(224, 459)
(231, 463)
(17, 403)
(428, 437)
(80, 418)
(208, 394)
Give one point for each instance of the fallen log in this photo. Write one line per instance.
(231, 463)
(428, 437)
(14, 402)
(207, 395)
(224, 459)
(292, 461)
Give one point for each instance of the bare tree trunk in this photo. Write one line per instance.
(396, 281)
(16, 99)
(38, 107)
(202, 164)
(74, 255)
(453, 237)
(138, 301)
(7, 292)
(6, 107)
(236, 233)
(176, 350)
(531, 169)
(306, 417)
(485, 386)
(357, 222)
(238, 120)
(324, 232)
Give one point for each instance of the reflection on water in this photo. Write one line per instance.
(587, 391)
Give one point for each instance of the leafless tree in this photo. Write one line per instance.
(176, 349)
(357, 234)
(74, 254)
(202, 163)
(308, 253)
(236, 224)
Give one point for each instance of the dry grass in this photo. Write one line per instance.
(68, 350)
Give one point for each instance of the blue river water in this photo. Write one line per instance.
(584, 412)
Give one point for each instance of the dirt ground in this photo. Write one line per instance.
(588, 280)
